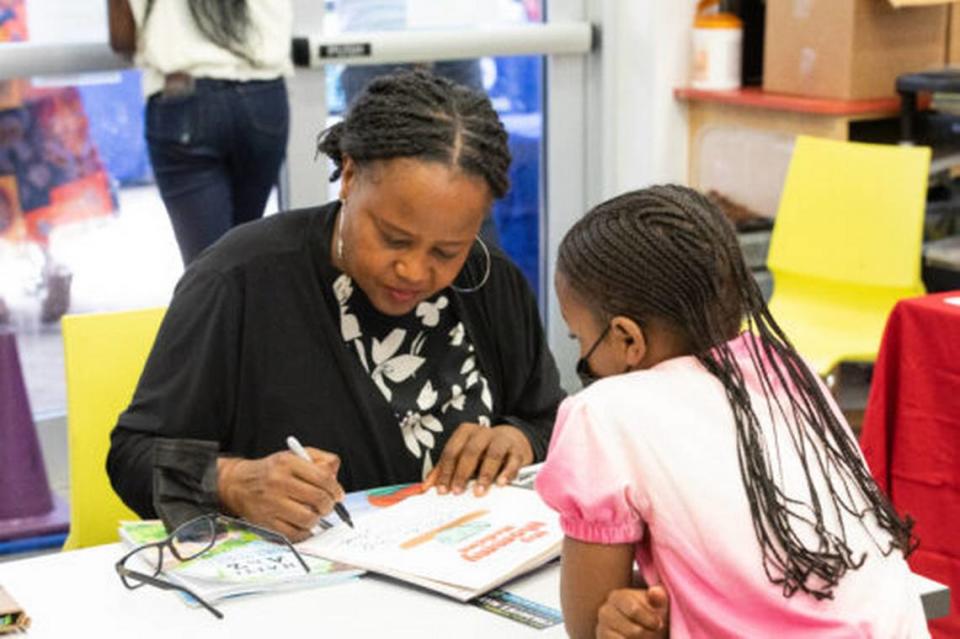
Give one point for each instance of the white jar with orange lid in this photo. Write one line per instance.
(717, 48)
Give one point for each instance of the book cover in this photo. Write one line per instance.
(241, 563)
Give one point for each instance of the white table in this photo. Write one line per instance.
(79, 594)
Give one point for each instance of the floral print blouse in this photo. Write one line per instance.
(422, 363)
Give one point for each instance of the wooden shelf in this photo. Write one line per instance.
(758, 98)
(779, 117)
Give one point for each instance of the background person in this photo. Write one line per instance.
(217, 115)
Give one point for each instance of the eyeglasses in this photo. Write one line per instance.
(188, 541)
(584, 372)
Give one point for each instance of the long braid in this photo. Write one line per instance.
(667, 253)
(420, 115)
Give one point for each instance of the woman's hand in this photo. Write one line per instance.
(281, 491)
(634, 613)
(492, 454)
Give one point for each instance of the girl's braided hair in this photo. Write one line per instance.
(416, 114)
(667, 253)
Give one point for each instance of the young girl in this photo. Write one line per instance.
(709, 453)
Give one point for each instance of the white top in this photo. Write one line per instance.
(171, 43)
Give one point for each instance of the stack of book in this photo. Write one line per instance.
(241, 563)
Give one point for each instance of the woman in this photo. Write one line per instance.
(376, 329)
(217, 115)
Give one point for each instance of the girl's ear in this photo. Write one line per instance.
(631, 339)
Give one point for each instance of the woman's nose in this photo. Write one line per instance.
(412, 269)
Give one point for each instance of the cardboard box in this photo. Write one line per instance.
(851, 49)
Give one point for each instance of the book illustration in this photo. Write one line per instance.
(450, 532)
(461, 544)
(391, 495)
(364, 501)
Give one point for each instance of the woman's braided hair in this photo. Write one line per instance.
(666, 253)
(415, 114)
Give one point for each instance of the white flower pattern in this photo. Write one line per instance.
(457, 334)
(394, 370)
(388, 365)
(429, 313)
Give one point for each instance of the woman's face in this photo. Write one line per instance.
(407, 227)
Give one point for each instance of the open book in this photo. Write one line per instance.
(241, 563)
(458, 545)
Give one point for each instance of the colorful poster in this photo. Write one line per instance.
(13, 21)
(50, 170)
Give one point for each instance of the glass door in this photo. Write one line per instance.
(82, 227)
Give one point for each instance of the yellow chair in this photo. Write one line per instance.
(846, 245)
(104, 354)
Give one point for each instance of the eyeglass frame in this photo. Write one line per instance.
(143, 578)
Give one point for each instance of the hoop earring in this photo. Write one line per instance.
(486, 275)
(340, 234)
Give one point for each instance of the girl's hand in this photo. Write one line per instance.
(493, 454)
(280, 491)
(634, 613)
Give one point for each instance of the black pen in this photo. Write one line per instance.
(297, 449)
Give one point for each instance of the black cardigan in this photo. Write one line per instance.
(250, 352)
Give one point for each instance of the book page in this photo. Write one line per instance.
(462, 540)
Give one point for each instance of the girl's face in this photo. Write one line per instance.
(602, 350)
(407, 227)
(619, 346)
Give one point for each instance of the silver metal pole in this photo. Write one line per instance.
(22, 59)
(388, 47)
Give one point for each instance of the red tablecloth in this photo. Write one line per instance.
(911, 434)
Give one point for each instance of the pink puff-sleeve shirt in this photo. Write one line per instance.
(652, 456)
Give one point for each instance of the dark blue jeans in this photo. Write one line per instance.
(216, 153)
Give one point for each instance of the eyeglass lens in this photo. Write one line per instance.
(193, 538)
(148, 560)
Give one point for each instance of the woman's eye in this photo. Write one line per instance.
(394, 242)
(444, 255)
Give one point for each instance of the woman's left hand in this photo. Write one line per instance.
(492, 454)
